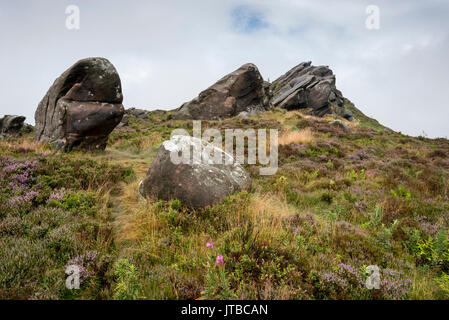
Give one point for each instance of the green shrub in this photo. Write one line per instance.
(127, 285)
(64, 171)
(217, 285)
(385, 235)
(401, 192)
(443, 283)
(434, 250)
(81, 203)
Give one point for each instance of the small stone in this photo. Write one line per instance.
(340, 124)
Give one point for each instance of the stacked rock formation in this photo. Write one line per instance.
(307, 86)
(244, 93)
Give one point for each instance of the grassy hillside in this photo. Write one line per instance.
(341, 200)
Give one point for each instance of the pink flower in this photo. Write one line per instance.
(210, 245)
(219, 260)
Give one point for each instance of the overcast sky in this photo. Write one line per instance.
(166, 52)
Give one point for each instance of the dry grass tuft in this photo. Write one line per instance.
(138, 219)
(24, 145)
(424, 286)
(298, 136)
(269, 211)
(353, 124)
(137, 225)
(149, 141)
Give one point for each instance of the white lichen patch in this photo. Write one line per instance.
(105, 66)
(203, 168)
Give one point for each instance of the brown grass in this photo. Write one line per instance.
(24, 145)
(138, 219)
(149, 141)
(352, 124)
(270, 209)
(424, 286)
(297, 136)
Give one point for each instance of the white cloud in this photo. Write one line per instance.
(167, 52)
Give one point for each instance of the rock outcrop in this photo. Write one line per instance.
(198, 183)
(13, 126)
(307, 86)
(240, 91)
(138, 113)
(82, 106)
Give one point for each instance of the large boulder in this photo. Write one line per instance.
(307, 86)
(198, 183)
(82, 106)
(240, 91)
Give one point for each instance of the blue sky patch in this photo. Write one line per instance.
(246, 19)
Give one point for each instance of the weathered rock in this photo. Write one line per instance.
(339, 124)
(250, 112)
(144, 114)
(124, 122)
(307, 86)
(12, 126)
(82, 106)
(197, 184)
(138, 113)
(241, 90)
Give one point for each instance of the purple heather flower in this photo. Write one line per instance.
(210, 245)
(17, 175)
(57, 195)
(86, 263)
(359, 205)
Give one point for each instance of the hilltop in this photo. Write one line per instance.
(342, 199)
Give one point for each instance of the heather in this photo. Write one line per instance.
(52, 215)
(341, 201)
